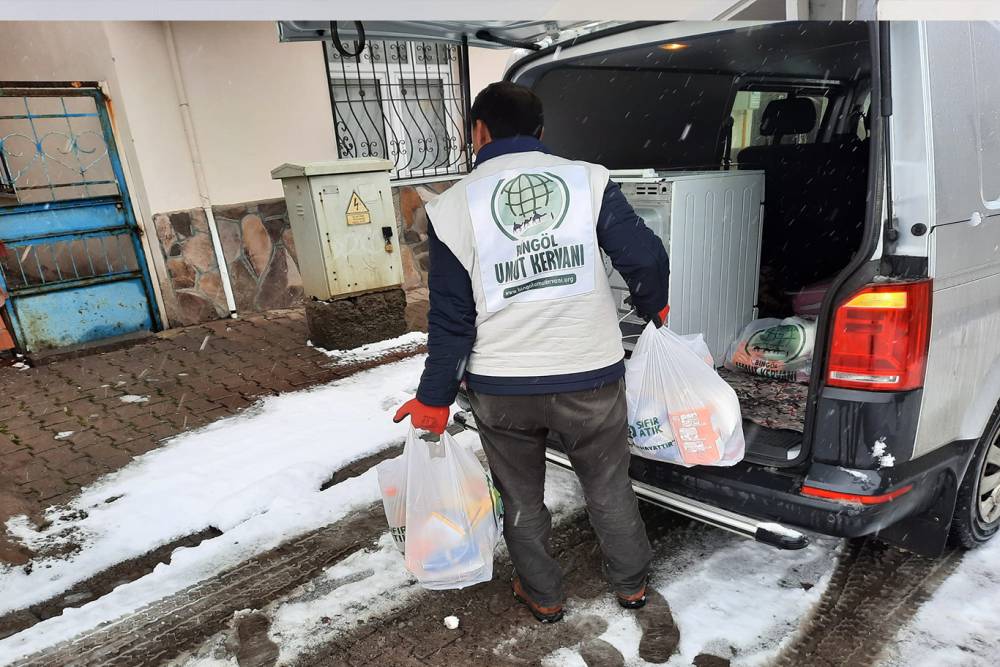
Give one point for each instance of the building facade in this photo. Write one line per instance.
(197, 114)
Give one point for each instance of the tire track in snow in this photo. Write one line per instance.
(186, 618)
(133, 569)
(99, 584)
(875, 589)
(163, 629)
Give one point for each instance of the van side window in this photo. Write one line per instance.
(748, 109)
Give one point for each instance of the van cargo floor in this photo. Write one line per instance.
(773, 404)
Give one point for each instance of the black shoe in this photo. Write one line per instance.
(543, 614)
(634, 601)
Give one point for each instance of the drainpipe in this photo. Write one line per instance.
(199, 171)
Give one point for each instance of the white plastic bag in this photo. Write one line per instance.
(392, 484)
(679, 409)
(452, 514)
(770, 347)
(696, 343)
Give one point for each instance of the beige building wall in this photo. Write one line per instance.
(485, 67)
(255, 103)
(54, 51)
(164, 168)
(131, 58)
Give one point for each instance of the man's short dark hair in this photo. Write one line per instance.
(508, 110)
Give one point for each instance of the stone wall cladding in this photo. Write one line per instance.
(192, 272)
(260, 253)
(411, 219)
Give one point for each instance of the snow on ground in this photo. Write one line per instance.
(255, 476)
(729, 596)
(742, 594)
(960, 624)
(365, 585)
(406, 342)
(725, 592)
(371, 584)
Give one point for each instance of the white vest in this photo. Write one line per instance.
(524, 225)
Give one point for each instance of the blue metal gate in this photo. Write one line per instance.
(74, 266)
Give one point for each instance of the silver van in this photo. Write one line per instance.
(878, 145)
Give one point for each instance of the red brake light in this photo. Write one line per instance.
(880, 338)
(816, 492)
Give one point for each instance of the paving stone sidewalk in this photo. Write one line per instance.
(64, 424)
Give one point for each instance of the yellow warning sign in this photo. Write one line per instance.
(357, 212)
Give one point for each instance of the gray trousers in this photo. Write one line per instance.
(592, 425)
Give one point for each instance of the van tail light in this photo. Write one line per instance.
(841, 497)
(880, 337)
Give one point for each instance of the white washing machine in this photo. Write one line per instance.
(710, 223)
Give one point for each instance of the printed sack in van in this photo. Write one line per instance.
(679, 409)
(781, 349)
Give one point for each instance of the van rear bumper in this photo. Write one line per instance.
(776, 494)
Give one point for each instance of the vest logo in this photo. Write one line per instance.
(529, 204)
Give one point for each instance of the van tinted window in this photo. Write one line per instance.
(748, 108)
(635, 118)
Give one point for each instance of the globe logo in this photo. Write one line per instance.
(783, 342)
(530, 203)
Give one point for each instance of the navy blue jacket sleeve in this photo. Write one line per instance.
(635, 252)
(451, 325)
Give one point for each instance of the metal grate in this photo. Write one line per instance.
(43, 262)
(6, 180)
(52, 149)
(403, 101)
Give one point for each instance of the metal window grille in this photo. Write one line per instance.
(403, 101)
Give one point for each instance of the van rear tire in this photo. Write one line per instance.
(977, 510)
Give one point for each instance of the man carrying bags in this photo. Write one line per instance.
(520, 307)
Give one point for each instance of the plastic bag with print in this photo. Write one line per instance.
(451, 513)
(679, 409)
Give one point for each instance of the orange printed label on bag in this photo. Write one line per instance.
(697, 439)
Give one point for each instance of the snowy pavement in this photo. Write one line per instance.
(256, 477)
(960, 624)
(66, 424)
(266, 476)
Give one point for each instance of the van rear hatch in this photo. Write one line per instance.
(531, 35)
(689, 103)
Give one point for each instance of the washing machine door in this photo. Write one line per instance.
(657, 218)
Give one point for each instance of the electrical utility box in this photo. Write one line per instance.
(344, 226)
(710, 223)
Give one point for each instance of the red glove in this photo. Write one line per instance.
(428, 417)
(662, 316)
